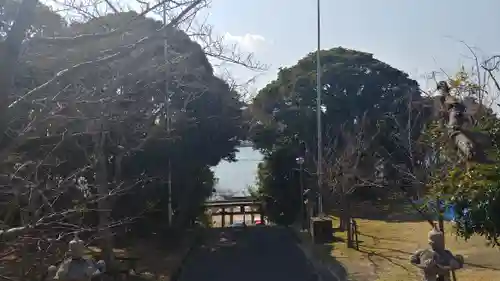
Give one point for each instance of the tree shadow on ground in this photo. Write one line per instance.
(395, 260)
(482, 266)
(324, 253)
(376, 240)
(379, 256)
(385, 246)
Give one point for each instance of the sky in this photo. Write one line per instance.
(416, 36)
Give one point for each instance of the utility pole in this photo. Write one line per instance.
(318, 114)
(167, 112)
(302, 218)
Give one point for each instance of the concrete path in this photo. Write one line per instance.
(251, 254)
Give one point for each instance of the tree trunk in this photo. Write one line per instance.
(348, 218)
(343, 225)
(310, 213)
(344, 211)
(103, 205)
(440, 213)
(345, 214)
(9, 54)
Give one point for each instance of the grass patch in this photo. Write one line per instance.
(385, 248)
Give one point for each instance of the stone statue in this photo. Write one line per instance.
(436, 262)
(468, 147)
(76, 267)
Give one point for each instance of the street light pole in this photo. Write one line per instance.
(167, 113)
(318, 114)
(300, 161)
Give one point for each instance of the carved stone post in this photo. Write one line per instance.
(261, 213)
(223, 217)
(242, 211)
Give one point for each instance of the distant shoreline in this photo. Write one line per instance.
(246, 144)
(237, 176)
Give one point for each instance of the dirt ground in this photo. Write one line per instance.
(155, 261)
(385, 247)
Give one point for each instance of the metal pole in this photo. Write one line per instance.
(318, 114)
(167, 113)
(302, 214)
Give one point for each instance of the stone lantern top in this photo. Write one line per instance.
(76, 248)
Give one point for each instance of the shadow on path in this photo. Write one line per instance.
(251, 254)
(328, 267)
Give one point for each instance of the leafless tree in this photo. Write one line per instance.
(127, 52)
(346, 159)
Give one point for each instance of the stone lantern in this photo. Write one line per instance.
(436, 262)
(76, 267)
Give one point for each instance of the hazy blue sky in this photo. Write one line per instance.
(417, 36)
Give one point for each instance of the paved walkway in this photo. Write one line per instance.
(251, 254)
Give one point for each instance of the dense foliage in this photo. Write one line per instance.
(378, 132)
(279, 186)
(472, 188)
(360, 94)
(129, 109)
(89, 137)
